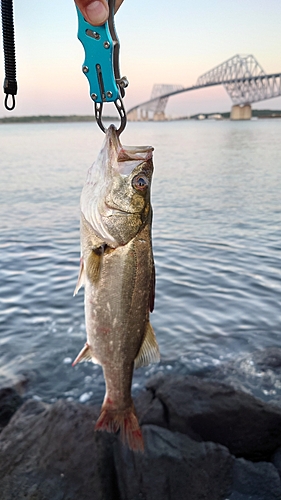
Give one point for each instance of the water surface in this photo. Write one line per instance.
(216, 238)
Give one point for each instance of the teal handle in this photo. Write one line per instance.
(98, 64)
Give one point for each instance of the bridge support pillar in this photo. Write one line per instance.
(133, 116)
(159, 116)
(239, 112)
(144, 115)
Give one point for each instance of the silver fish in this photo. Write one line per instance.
(117, 271)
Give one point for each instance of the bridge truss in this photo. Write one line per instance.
(156, 106)
(242, 76)
(244, 80)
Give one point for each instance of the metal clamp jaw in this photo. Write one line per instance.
(101, 65)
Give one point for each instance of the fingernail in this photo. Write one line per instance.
(96, 12)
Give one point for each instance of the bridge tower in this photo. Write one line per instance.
(238, 71)
(154, 110)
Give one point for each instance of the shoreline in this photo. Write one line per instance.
(193, 427)
(256, 114)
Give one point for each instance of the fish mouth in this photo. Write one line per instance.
(127, 153)
(112, 138)
(115, 211)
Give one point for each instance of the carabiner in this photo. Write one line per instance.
(101, 65)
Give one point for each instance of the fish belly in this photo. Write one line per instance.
(116, 311)
(116, 308)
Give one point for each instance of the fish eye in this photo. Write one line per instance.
(140, 182)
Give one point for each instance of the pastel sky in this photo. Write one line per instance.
(161, 42)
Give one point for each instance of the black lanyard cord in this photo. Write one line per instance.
(10, 82)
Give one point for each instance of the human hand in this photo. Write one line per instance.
(96, 11)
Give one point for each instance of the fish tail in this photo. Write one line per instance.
(124, 420)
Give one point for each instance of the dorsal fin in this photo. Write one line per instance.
(149, 351)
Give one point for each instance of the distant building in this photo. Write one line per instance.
(215, 116)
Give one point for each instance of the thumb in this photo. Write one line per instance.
(95, 12)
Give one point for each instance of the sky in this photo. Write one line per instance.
(161, 42)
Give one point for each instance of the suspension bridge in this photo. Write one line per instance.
(242, 76)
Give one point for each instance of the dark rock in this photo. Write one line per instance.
(255, 481)
(10, 401)
(211, 411)
(51, 452)
(276, 460)
(150, 409)
(174, 467)
(269, 358)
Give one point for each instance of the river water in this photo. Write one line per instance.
(216, 238)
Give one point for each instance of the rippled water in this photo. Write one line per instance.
(216, 237)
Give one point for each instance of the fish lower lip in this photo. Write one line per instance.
(116, 210)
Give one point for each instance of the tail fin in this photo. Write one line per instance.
(127, 422)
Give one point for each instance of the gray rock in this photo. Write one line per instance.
(150, 409)
(211, 411)
(269, 358)
(276, 460)
(174, 467)
(51, 452)
(10, 401)
(255, 481)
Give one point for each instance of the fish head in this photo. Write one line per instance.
(116, 197)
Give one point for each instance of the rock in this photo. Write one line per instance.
(10, 401)
(51, 452)
(211, 411)
(269, 358)
(276, 460)
(174, 467)
(255, 481)
(150, 409)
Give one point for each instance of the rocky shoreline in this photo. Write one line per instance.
(204, 440)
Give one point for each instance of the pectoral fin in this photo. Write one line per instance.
(80, 281)
(149, 351)
(94, 263)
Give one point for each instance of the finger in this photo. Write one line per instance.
(95, 12)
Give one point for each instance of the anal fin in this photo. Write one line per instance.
(149, 350)
(84, 355)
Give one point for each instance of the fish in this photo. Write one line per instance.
(118, 274)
